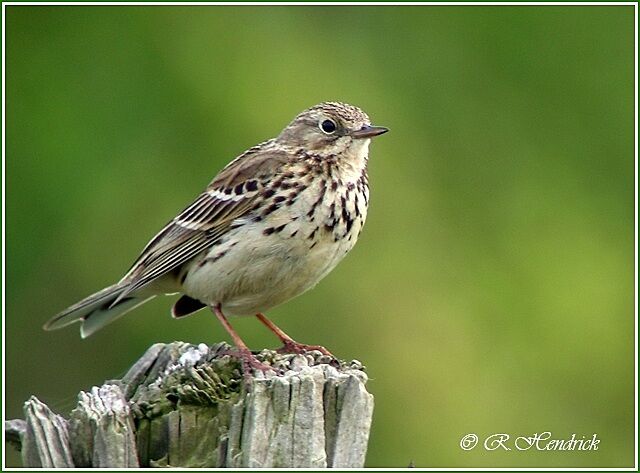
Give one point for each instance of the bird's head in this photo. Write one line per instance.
(331, 129)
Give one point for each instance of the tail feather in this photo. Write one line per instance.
(97, 310)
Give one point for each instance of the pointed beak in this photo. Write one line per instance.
(369, 131)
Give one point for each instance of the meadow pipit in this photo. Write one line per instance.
(273, 223)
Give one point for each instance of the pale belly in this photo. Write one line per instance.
(260, 272)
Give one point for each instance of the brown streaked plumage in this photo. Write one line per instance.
(270, 225)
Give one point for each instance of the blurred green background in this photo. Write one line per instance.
(492, 289)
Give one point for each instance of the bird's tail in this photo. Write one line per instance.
(97, 310)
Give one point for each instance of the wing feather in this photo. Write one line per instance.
(209, 217)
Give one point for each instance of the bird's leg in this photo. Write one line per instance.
(249, 361)
(289, 345)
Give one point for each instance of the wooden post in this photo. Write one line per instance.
(182, 405)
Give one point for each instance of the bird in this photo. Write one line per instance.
(274, 222)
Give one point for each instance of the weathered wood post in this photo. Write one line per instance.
(183, 405)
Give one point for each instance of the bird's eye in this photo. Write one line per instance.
(328, 126)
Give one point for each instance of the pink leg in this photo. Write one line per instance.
(249, 361)
(289, 344)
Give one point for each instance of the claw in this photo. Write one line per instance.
(290, 346)
(249, 362)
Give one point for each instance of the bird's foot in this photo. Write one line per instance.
(249, 362)
(292, 347)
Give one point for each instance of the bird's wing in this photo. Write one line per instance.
(231, 195)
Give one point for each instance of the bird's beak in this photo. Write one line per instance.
(369, 131)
